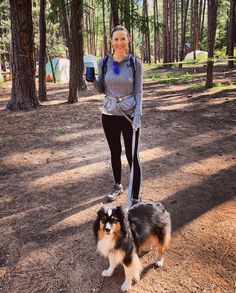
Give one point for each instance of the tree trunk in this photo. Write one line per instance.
(105, 48)
(132, 29)
(184, 13)
(74, 50)
(65, 25)
(203, 20)
(23, 96)
(42, 53)
(81, 82)
(114, 13)
(177, 31)
(155, 29)
(127, 14)
(231, 33)
(146, 33)
(165, 32)
(172, 30)
(212, 22)
(167, 7)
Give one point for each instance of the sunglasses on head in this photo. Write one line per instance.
(116, 67)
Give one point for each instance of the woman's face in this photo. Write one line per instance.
(120, 41)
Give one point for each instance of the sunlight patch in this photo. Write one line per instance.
(81, 134)
(209, 166)
(174, 107)
(154, 153)
(220, 101)
(208, 137)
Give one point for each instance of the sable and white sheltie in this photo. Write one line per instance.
(120, 236)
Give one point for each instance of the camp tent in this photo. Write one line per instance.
(200, 55)
(61, 68)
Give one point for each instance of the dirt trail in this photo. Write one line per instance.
(55, 170)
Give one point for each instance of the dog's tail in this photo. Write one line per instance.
(167, 231)
(167, 236)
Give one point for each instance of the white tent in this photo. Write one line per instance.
(61, 68)
(200, 55)
(90, 61)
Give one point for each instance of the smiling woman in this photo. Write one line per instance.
(120, 79)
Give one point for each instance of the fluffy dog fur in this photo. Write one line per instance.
(121, 236)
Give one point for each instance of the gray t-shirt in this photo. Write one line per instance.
(121, 85)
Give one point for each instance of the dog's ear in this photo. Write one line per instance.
(96, 222)
(100, 212)
(123, 220)
(120, 211)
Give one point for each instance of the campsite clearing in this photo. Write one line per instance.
(55, 171)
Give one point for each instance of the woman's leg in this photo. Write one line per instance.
(112, 129)
(127, 132)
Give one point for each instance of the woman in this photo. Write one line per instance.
(120, 77)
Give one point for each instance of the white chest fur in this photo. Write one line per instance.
(105, 245)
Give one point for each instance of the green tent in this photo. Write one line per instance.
(61, 68)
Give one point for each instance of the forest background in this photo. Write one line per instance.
(162, 32)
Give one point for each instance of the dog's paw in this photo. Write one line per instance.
(107, 273)
(125, 286)
(137, 278)
(159, 263)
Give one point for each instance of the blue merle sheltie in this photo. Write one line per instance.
(121, 235)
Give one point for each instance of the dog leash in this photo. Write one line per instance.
(131, 176)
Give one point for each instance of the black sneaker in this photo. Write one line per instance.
(117, 190)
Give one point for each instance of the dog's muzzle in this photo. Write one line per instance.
(107, 228)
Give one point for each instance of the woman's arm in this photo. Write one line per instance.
(138, 92)
(99, 82)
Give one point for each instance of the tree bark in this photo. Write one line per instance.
(127, 14)
(65, 25)
(23, 96)
(81, 82)
(212, 22)
(114, 13)
(203, 20)
(167, 7)
(184, 13)
(146, 52)
(74, 50)
(42, 53)
(105, 48)
(231, 32)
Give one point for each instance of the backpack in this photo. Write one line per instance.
(132, 61)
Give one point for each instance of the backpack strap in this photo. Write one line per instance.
(104, 67)
(132, 61)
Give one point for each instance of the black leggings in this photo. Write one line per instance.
(113, 127)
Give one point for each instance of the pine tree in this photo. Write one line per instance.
(23, 96)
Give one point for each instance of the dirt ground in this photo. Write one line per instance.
(55, 171)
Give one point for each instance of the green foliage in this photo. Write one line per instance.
(56, 43)
(171, 77)
(221, 31)
(61, 131)
(5, 26)
(217, 87)
(2, 141)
